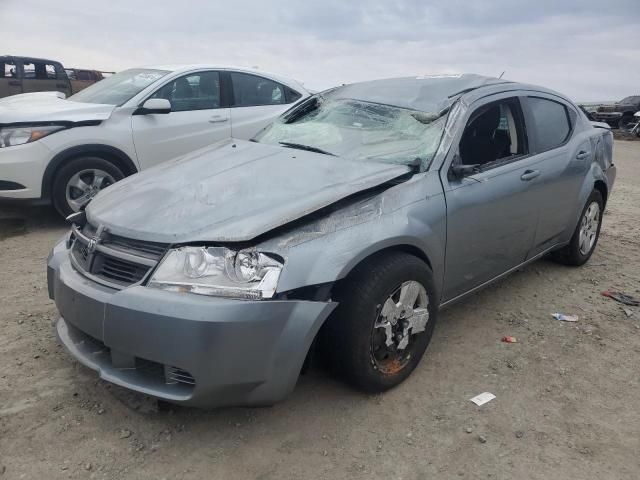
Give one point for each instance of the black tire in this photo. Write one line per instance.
(71, 168)
(626, 122)
(350, 332)
(571, 254)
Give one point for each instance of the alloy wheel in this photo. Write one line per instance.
(589, 228)
(85, 185)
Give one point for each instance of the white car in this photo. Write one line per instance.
(66, 150)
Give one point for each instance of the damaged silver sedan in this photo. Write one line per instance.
(343, 227)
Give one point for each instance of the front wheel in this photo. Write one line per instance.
(78, 181)
(384, 322)
(585, 236)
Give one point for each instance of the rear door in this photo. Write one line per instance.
(565, 158)
(197, 119)
(255, 102)
(10, 83)
(491, 213)
(44, 76)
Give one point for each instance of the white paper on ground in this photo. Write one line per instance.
(483, 398)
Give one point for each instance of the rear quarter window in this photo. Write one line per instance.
(551, 122)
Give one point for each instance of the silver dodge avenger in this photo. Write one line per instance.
(345, 226)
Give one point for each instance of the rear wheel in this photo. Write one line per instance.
(585, 236)
(384, 322)
(78, 181)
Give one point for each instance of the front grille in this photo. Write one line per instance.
(122, 272)
(111, 259)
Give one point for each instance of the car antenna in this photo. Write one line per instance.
(502, 74)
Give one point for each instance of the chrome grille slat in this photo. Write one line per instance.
(112, 260)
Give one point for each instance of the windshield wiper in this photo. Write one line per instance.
(307, 148)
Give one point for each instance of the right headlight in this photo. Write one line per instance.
(218, 271)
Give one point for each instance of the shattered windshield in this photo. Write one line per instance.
(358, 130)
(119, 88)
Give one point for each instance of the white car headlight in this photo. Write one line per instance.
(218, 271)
(12, 136)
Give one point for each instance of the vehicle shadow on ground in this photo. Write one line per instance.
(18, 220)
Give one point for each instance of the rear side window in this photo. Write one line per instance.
(252, 90)
(39, 70)
(551, 122)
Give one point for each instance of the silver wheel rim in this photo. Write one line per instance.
(589, 228)
(403, 315)
(85, 185)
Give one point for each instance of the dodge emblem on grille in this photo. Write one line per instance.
(93, 244)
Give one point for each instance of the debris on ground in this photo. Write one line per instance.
(124, 433)
(621, 297)
(565, 318)
(482, 439)
(509, 339)
(627, 312)
(483, 398)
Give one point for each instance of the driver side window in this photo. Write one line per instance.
(494, 134)
(196, 91)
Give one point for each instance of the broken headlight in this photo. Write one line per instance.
(218, 271)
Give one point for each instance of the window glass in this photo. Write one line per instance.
(84, 75)
(29, 70)
(551, 122)
(251, 90)
(493, 133)
(50, 71)
(119, 88)
(198, 91)
(8, 69)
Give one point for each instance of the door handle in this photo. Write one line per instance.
(14, 83)
(218, 119)
(529, 175)
(582, 154)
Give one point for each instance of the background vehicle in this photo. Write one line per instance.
(66, 150)
(81, 79)
(26, 74)
(349, 221)
(619, 114)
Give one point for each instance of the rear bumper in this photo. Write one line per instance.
(188, 349)
(21, 171)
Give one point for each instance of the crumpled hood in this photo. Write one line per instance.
(230, 192)
(48, 107)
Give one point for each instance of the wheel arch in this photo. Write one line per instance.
(600, 186)
(107, 152)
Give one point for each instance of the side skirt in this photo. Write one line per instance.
(502, 275)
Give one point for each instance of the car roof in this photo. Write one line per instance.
(183, 68)
(430, 93)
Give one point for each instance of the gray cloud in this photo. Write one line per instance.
(587, 49)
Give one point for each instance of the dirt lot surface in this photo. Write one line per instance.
(566, 406)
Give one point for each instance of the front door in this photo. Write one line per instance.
(491, 215)
(195, 121)
(10, 83)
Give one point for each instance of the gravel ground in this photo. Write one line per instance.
(566, 406)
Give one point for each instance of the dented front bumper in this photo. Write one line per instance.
(184, 348)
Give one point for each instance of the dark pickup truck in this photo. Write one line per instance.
(619, 114)
(26, 74)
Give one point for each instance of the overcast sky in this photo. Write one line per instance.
(588, 49)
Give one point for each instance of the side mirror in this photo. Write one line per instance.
(154, 105)
(459, 171)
